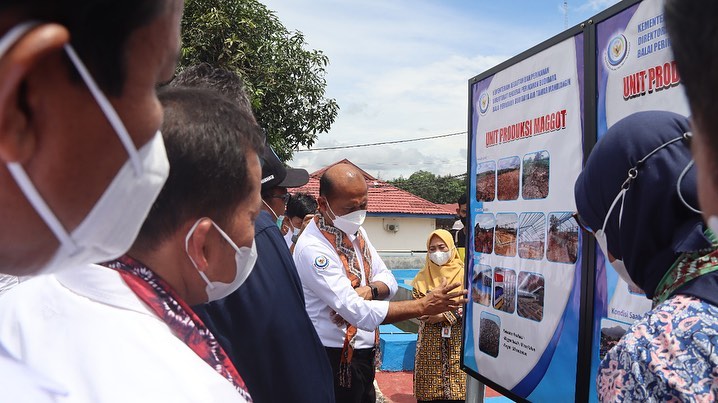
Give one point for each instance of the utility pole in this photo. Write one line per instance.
(565, 14)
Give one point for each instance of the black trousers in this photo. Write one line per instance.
(362, 370)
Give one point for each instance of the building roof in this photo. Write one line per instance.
(383, 197)
(449, 208)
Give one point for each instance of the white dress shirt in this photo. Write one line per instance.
(89, 332)
(7, 282)
(327, 288)
(18, 383)
(288, 238)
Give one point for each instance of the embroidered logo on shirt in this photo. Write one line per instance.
(321, 262)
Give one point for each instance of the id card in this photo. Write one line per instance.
(446, 332)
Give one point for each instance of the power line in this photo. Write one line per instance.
(422, 163)
(383, 142)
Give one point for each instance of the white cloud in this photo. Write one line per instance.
(596, 5)
(399, 69)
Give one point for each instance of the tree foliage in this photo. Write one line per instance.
(437, 189)
(285, 82)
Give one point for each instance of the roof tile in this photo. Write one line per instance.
(383, 197)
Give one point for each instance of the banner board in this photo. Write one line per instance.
(541, 315)
(523, 272)
(635, 72)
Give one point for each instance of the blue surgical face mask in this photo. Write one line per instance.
(280, 218)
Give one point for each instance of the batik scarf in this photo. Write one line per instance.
(692, 274)
(345, 249)
(172, 310)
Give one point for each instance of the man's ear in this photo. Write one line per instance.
(321, 204)
(197, 244)
(17, 135)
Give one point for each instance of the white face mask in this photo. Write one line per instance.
(244, 257)
(295, 235)
(349, 223)
(600, 236)
(439, 257)
(114, 221)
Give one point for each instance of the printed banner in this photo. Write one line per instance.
(524, 249)
(636, 72)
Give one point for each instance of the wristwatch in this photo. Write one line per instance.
(374, 291)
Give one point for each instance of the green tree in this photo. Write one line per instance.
(437, 189)
(285, 81)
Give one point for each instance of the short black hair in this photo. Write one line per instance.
(301, 204)
(99, 30)
(207, 138)
(694, 41)
(462, 199)
(227, 83)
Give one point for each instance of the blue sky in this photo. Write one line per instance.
(399, 69)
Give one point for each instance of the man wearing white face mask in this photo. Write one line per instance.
(347, 286)
(125, 331)
(263, 326)
(77, 130)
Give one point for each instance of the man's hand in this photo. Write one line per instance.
(364, 292)
(338, 320)
(431, 319)
(441, 299)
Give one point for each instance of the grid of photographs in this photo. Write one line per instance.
(531, 235)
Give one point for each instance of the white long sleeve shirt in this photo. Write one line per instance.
(87, 330)
(327, 288)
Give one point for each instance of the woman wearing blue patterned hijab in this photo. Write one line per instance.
(637, 195)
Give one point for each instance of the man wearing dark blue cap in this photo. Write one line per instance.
(276, 178)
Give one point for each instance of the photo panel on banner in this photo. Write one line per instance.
(526, 133)
(635, 72)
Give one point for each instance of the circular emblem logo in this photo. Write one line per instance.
(617, 50)
(321, 262)
(483, 102)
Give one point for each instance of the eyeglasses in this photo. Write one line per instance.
(580, 222)
(285, 197)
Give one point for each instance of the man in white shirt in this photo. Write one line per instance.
(124, 331)
(347, 286)
(59, 150)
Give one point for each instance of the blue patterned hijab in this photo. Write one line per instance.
(656, 226)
